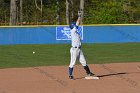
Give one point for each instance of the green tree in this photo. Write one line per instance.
(4, 11)
(106, 12)
(95, 11)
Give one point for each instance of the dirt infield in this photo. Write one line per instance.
(114, 78)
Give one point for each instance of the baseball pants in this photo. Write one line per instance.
(76, 53)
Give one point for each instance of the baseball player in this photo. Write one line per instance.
(76, 49)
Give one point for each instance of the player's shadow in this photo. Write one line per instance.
(106, 75)
(112, 74)
(116, 74)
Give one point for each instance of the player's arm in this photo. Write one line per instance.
(78, 21)
(79, 18)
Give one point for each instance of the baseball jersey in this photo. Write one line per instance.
(75, 38)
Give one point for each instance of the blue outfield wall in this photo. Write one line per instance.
(61, 35)
(111, 34)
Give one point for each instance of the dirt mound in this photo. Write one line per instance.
(114, 78)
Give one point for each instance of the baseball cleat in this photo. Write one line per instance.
(71, 77)
(90, 74)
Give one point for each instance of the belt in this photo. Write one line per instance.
(78, 47)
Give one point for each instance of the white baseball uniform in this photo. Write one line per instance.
(75, 50)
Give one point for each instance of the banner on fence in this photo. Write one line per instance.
(63, 32)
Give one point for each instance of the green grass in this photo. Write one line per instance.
(46, 55)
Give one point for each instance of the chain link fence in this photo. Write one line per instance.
(37, 12)
(53, 12)
(4, 13)
(32, 12)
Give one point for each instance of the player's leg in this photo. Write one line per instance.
(83, 62)
(73, 53)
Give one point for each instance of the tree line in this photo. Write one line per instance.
(52, 12)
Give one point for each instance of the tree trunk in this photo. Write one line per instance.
(58, 13)
(82, 8)
(72, 13)
(13, 12)
(67, 12)
(21, 16)
(40, 8)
